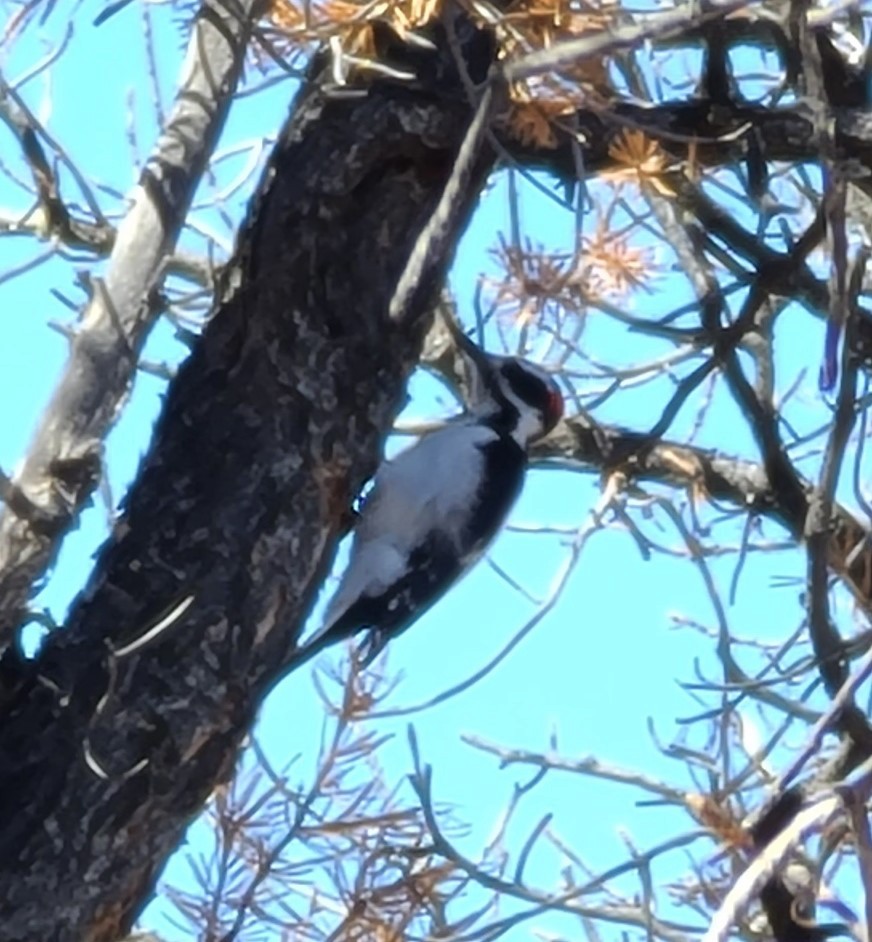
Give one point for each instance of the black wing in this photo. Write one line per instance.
(436, 564)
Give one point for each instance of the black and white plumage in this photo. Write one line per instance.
(436, 506)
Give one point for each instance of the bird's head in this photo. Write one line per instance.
(523, 393)
(523, 396)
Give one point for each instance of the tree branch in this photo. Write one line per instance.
(63, 464)
(577, 443)
(122, 730)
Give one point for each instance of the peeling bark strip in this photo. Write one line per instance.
(64, 462)
(271, 426)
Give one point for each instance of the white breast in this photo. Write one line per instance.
(429, 486)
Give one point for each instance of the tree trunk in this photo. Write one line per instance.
(269, 430)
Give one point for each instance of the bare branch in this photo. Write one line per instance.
(63, 463)
(660, 25)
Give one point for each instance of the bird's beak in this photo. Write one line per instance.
(479, 365)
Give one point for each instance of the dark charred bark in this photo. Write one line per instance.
(718, 136)
(268, 432)
(266, 435)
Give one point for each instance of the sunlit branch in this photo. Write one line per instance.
(104, 355)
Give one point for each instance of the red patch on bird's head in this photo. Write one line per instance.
(554, 409)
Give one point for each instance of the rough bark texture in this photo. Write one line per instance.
(267, 433)
(717, 137)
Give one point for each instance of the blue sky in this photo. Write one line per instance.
(603, 662)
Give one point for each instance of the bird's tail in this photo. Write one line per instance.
(371, 647)
(331, 631)
(367, 651)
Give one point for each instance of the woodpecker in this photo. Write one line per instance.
(435, 507)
